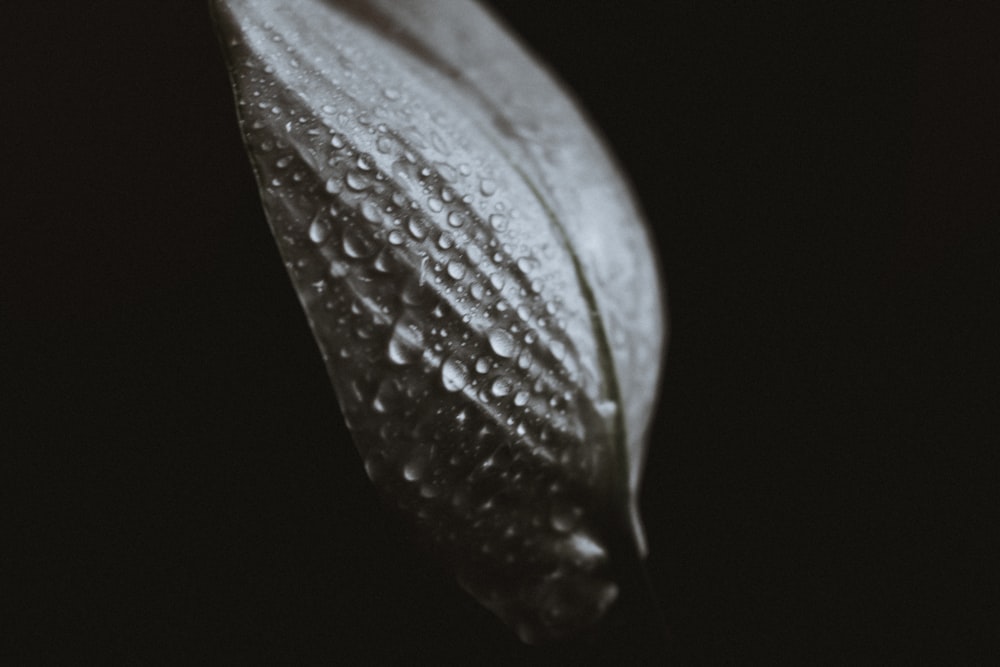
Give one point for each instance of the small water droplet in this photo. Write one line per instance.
(456, 219)
(482, 365)
(498, 222)
(391, 94)
(565, 516)
(456, 270)
(365, 162)
(434, 204)
(521, 398)
(526, 265)
(337, 140)
(396, 237)
(488, 187)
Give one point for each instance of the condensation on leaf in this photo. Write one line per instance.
(476, 275)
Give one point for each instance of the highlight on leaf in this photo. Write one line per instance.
(477, 277)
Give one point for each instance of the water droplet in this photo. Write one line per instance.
(333, 185)
(387, 396)
(498, 222)
(456, 219)
(565, 516)
(384, 262)
(357, 245)
(488, 187)
(454, 375)
(526, 265)
(414, 469)
(482, 365)
(396, 237)
(283, 162)
(365, 162)
(391, 94)
(586, 547)
(416, 229)
(502, 343)
(370, 212)
(445, 241)
(406, 345)
(356, 181)
(502, 386)
(456, 270)
(318, 231)
(337, 140)
(435, 204)
(521, 398)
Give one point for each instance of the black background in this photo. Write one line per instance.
(820, 188)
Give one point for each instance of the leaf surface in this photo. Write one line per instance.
(477, 277)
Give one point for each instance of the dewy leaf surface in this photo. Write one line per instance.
(479, 281)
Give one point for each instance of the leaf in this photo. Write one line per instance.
(478, 279)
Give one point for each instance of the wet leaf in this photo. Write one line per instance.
(477, 277)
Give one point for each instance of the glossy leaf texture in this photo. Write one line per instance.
(478, 279)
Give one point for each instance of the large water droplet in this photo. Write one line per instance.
(416, 229)
(356, 245)
(406, 345)
(502, 343)
(318, 231)
(502, 386)
(414, 469)
(356, 181)
(454, 375)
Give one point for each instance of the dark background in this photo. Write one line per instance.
(820, 185)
